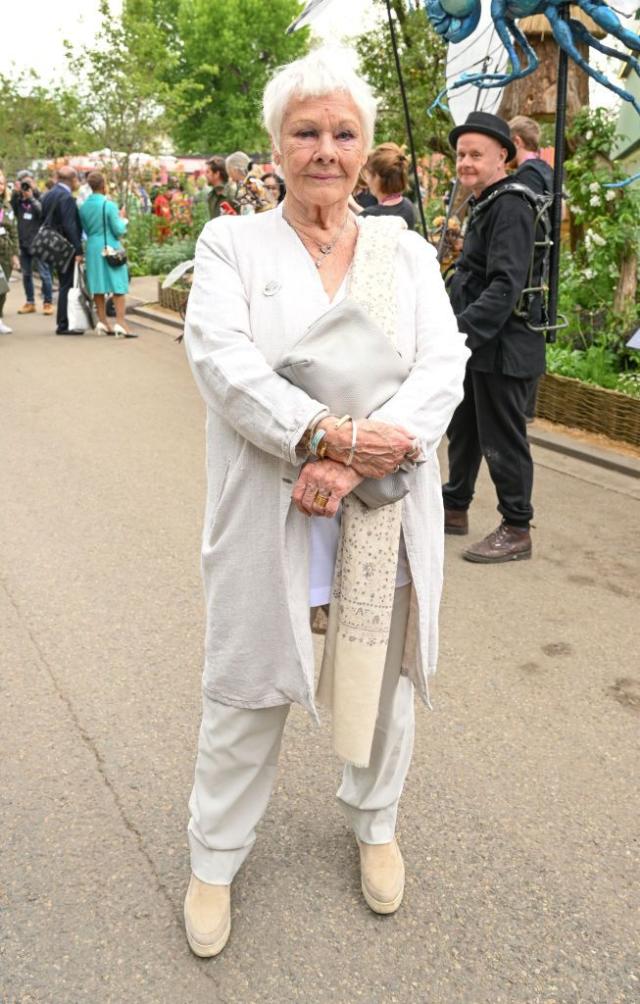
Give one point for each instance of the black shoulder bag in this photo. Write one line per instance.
(113, 258)
(49, 246)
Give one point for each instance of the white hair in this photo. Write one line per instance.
(323, 71)
(237, 161)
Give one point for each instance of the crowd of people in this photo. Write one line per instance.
(83, 211)
(232, 185)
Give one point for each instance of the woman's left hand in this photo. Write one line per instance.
(326, 479)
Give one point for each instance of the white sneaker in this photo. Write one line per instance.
(5, 329)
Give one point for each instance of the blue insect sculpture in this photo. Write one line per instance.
(456, 20)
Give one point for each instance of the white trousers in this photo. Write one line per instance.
(237, 763)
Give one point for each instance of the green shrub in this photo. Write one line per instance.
(605, 221)
(148, 256)
(598, 364)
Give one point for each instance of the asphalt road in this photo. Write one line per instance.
(519, 822)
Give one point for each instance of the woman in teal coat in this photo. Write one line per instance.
(104, 225)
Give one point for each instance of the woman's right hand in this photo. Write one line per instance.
(380, 448)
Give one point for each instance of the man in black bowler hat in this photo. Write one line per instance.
(507, 357)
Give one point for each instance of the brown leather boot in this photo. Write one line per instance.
(456, 521)
(506, 543)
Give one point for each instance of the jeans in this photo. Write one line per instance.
(27, 261)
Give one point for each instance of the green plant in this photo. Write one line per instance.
(593, 365)
(161, 258)
(148, 255)
(604, 221)
(597, 364)
(598, 287)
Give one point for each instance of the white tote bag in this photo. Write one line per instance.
(79, 319)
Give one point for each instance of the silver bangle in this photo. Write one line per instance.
(354, 437)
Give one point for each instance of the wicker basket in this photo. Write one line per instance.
(173, 298)
(585, 406)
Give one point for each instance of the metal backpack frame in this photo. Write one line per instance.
(540, 204)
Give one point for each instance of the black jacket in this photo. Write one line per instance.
(28, 213)
(489, 277)
(59, 209)
(536, 175)
(403, 209)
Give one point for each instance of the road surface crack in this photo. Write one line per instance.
(101, 767)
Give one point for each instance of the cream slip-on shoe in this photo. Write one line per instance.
(382, 872)
(207, 917)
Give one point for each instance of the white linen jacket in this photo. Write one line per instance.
(255, 291)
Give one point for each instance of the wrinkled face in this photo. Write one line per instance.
(321, 148)
(480, 160)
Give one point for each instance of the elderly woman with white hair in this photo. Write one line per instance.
(287, 524)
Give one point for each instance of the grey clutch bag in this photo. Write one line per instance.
(346, 361)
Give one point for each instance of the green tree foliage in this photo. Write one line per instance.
(423, 57)
(37, 122)
(217, 61)
(116, 80)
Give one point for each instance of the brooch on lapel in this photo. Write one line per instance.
(272, 288)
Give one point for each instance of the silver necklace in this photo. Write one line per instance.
(324, 249)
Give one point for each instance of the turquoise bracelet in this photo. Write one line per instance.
(316, 439)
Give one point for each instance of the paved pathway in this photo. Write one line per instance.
(520, 819)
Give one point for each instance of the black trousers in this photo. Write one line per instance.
(490, 422)
(65, 280)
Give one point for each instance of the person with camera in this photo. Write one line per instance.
(27, 208)
(104, 226)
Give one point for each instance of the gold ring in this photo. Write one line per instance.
(320, 500)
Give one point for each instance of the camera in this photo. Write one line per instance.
(25, 186)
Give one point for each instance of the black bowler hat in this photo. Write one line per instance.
(488, 125)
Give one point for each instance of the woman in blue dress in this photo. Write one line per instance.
(104, 226)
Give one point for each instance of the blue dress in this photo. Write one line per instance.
(102, 278)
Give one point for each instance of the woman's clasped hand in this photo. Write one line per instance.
(324, 479)
(380, 449)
